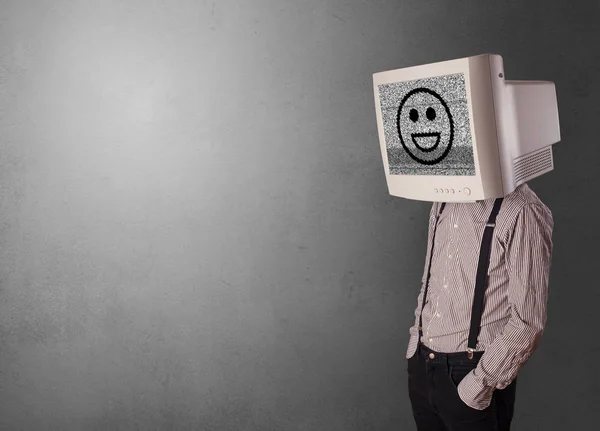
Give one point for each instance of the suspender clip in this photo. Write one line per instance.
(490, 224)
(469, 353)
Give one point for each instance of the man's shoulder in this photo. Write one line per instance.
(523, 196)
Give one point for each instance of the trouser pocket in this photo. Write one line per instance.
(458, 372)
(457, 408)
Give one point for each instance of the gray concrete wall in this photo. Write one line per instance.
(195, 231)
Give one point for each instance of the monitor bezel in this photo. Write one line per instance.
(487, 181)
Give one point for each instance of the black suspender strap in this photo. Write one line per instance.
(481, 278)
(442, 206)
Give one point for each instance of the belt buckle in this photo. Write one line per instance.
(470, 353)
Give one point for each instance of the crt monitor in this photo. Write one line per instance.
(458, 131)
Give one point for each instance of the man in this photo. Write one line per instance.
(449, 388)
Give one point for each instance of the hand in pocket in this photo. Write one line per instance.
(458, 372)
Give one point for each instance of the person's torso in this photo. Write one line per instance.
(447, 310)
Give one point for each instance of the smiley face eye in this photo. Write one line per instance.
(430, 114)
(414, 115)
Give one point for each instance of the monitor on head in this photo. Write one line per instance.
(457, 131)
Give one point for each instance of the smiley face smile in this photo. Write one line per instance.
(424, 138)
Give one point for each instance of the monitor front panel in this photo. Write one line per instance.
(437, 131)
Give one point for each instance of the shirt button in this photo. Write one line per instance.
(449, 256)
(455, 226)
(445, 286)
(438, 315)
(431, 340)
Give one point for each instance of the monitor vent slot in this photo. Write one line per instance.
(533, 164)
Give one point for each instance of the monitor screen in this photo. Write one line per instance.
(427, 126)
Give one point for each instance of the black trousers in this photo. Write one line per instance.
(433, 379)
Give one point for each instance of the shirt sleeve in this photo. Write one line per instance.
(528, 258)
(414, 330)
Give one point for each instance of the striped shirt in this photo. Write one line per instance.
(516, 293)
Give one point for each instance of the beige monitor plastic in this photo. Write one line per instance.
(457, 131)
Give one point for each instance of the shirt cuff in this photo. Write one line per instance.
(474, 394)
(412, 346)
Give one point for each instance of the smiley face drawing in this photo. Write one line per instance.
(425, 126)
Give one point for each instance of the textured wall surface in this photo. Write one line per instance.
(195, 231)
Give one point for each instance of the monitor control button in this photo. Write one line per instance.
(451, 190)
(467, 191)
(436, 190)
